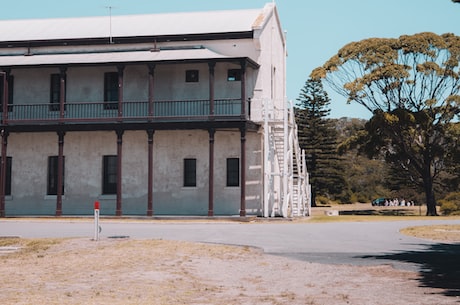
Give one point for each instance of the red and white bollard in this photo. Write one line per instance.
(97, 229)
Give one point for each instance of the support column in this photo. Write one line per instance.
(62, 93)
(118, 211)
(120, 92)
(60, 173)
(3, 164)
(212, 132)
(243, 172)
(5, 97)
(150, 133)
(243, 89)
(212, 66)
(151, 89)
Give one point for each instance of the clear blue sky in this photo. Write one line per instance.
(316, 30)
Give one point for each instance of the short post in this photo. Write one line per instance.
(96, 221)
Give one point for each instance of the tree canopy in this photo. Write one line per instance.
(411, 85)
(318, 137)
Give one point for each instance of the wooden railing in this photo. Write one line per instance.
(185, 110)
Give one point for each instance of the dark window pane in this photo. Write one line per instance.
(55, 92)
(10, 92)
(53, 175)
(189, 172)
(8, 176)
(111, 90)
(192, 76)
(233, 172)
(109, 180)
(234, 75)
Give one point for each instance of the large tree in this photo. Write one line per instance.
(318, 136)
(411, 85)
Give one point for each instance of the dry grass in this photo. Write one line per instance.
(117, 271)
(443, 233)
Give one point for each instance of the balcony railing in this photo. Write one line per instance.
(160, 111)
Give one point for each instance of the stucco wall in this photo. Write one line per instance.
(83, 172)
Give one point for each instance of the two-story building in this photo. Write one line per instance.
(162, 114)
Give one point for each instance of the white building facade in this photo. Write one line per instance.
(166, 114)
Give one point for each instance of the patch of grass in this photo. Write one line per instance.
(28, 246)
(364, 218)
(443, 233)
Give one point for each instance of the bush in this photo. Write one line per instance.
(322, 200)
(450, 205)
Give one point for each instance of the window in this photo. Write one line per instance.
(109, 175)
(234, 75)
(233, 172)
(53, 175)
(111, 90)
(10, 92)
(8, 176)
(189, 172)
(192, 76)
(55, 92)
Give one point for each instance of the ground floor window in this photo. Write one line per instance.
(233, 172)
(109, 175)
(53, 175)
(8, 176)
(190, 172)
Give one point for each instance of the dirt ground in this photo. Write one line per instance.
(123, 271)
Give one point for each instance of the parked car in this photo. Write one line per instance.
(378, 202)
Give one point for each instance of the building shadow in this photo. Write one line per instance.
(439, 266)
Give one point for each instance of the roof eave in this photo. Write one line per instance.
(127, 40)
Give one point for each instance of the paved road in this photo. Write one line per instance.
(356, 243)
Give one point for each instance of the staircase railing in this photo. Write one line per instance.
(287, 190)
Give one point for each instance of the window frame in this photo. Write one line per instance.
(10, 93)
(9, 163)
(233, 172)
(111, 93)
(52, 181)
(192, 76)
(109, 173)
(234, 75)
(190, 172)
(55, 91)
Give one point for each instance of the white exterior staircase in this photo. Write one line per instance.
(287, 189)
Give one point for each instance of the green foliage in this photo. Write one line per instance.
(450, 205)
(318, 137)
(411, 85)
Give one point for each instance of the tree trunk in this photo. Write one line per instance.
(430, 200)
(313, 198)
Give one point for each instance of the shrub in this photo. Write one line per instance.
(450, 205)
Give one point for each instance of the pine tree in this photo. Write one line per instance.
(318, 137)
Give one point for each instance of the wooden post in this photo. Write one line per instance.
(119, 171)
(60, 173)
(211, 172)
(243, 172)
(150, 133)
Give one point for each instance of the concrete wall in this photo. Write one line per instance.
(83, 173)
(86, 84)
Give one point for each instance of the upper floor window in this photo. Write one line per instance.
(111, 90)
(55, 91)
(234, 75)
(192, 76)
(10, 92)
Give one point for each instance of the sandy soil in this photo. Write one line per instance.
(119, 271)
